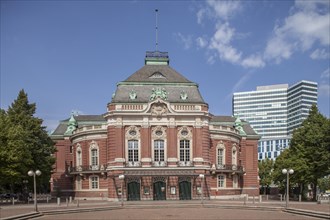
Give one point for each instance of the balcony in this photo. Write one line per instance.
(185, 164)
(228, 168)
(133, 164)
(159, 164)
(87, 169)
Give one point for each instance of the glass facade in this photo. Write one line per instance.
(274, 112)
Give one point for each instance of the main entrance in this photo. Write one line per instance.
(184, 189)
(159, 190)
(133, 191)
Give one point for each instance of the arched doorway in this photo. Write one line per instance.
(159, 188)
(133, 191)
(184, 188)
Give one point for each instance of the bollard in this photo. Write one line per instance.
(58, 201)
(260, 198)
(47, 199)
(253, 199)
(13, 201)
(66, 202)
(281, 197)
(267, 197)
(299, 198)
(70, 199)
(245, 198)
(77, 202)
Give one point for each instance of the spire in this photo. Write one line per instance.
(156, 29)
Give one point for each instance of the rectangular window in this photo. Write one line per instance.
(94, 157)
(221, 181)
(184, 150)
(94, 182)
(221, 155)
(159, 150)
(133, 151)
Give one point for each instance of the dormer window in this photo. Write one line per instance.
(157, 75)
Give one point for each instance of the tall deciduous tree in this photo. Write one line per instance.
(309, 152)
(24, 143)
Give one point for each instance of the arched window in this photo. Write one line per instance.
(94, 154)
(221, 154)
(78, 156)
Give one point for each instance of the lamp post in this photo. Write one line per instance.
(202, 182)
(287, 172)
(122, 177)
(34, 173)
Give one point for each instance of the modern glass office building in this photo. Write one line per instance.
(274, 112)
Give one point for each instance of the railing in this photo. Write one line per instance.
(152, 54)
(229, 167)
(87, 168)
(159, 164)
(185, 163)
(133, 164)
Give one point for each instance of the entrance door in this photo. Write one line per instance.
(185, 190)
(133, 191)
(159, 190)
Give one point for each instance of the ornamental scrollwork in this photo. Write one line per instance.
(158, 93)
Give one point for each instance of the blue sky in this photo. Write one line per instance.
(69, 55)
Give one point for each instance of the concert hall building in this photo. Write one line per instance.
(156, 141)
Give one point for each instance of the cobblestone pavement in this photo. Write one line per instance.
(168, 208)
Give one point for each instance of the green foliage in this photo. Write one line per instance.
(309, 152)
(24, 144)
(324, 184)
(265, 172)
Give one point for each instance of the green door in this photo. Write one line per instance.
(133, 191)
(185, 190)
(159, 190)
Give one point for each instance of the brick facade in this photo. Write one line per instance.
(152, 147)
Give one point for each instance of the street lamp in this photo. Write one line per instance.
(122, 177)
(285, 171)
(202, 180)
(34, 173)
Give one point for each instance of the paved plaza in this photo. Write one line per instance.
(179, 213)
(167, 210)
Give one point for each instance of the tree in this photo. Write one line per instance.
(309, 152)
(24, 144)
(265, 173)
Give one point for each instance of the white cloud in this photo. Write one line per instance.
(326, 74)
(306, 26)
(320, 54)
(201, 42)
(253, 61)
(224, 9)
(187, 41)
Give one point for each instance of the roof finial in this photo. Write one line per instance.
(156, 29)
